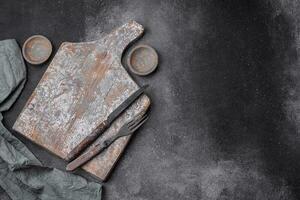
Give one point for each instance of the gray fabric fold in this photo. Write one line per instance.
(22, 175)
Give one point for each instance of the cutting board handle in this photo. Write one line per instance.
(119, 38)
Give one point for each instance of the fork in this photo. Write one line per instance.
(125, 130)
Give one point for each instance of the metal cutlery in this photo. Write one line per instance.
(125, 130)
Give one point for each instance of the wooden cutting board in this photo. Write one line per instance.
(83, 84)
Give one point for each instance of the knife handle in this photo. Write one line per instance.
(87, 141)
(83, 158)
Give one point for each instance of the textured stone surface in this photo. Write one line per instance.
(225, 98)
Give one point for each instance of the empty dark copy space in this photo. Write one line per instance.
(225, 99)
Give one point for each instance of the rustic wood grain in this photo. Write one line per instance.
(83, 84)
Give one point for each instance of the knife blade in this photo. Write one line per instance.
(104, 125)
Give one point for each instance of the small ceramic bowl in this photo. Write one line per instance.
(142, 60)
(37, 49)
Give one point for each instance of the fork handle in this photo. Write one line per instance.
(82, 159)
(91, 153)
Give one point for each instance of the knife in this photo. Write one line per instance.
(104, 125)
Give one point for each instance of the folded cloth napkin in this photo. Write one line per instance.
(22, 175)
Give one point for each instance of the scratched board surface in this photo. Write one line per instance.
(83, 84)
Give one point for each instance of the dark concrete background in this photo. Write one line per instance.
(225, 100)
